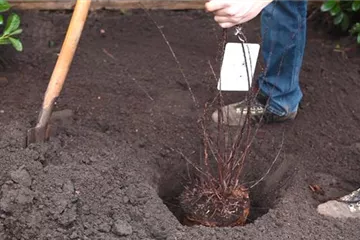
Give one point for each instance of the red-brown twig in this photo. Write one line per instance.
(229, 156)
(272, 164)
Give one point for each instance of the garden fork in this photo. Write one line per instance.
(41, 131)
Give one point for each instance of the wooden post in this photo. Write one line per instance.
(108, 4)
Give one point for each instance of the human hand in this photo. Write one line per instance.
(229, 13)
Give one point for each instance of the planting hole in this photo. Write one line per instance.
(170, 192)
(218, 200)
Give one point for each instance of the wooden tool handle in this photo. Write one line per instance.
(67, 52)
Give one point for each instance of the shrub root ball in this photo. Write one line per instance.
(212, 208)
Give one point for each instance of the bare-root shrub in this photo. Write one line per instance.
(216, 196)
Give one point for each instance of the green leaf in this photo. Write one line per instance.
(4, 6)
(4, 41)
(13, 23)
(355, 28)
(355, 6)
(345, 23)
(16, 32)
(1, 20)
(358, 38)
(16, 44)
(328, 5)
(339, 18)
(335, 10)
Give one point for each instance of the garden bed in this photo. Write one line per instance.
(115, 171)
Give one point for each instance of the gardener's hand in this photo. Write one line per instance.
(229, 13)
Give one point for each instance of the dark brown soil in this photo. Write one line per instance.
(115, 172)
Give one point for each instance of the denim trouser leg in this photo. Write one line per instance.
(283, 29)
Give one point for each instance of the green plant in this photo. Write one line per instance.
(10, 27)
(355, 30)
(346, 15)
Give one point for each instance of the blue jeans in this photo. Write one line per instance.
(283, 30)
